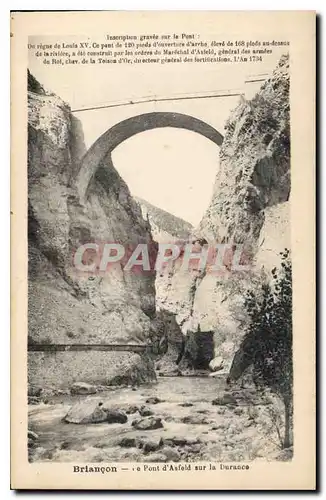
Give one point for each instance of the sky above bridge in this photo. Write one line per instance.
(171, 168)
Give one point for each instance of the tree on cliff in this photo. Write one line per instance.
(267, 345)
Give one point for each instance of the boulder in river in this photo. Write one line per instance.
(153, 400)
(128, 442)
(145, 411)
(171, 454)
(129, 409)
(226, 399)
(216, 364)
(92, 411)
(147, 423)
(152, 444)
(115, 416)
(82, 388)
(181, 441)
(195, 419)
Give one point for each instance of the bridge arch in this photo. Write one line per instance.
(115, 135)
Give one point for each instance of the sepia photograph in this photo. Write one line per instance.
(177, 360)
(159, 220)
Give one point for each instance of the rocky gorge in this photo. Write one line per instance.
(66, 308)
(249, 206)
(166, 331)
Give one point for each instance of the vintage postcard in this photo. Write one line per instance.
(163, 243)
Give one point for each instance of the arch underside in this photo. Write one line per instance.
(125, 129)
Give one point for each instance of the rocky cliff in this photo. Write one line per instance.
(64, 307)
(254, 169)
(196, 315)
(249, 206)
(165, 227)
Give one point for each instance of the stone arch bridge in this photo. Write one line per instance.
(115, 135)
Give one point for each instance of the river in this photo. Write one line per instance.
(193, 428)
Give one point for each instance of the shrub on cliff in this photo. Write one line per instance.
(267, 345)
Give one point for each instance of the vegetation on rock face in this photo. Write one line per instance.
(267, 345)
